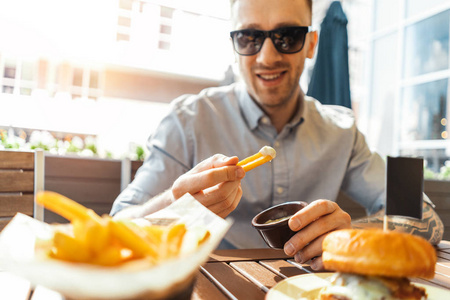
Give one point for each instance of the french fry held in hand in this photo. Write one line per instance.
(264, 155)
(108, 242)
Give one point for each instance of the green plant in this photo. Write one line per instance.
(140, 153)
(443, 174)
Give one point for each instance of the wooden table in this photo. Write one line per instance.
(250, 273)
(229, 274)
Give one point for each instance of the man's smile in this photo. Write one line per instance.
(271, 77)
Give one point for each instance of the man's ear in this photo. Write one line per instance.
(311, 43)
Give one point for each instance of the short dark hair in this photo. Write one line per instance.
(309, 2)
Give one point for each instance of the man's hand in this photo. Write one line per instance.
(313, 223)
(215, 182)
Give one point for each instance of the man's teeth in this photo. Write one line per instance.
(270, 76)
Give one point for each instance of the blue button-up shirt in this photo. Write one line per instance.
(319, 152)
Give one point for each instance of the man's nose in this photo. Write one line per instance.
(268, 53)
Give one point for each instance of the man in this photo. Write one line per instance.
(319, 148)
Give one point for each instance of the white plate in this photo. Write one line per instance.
(307, 287)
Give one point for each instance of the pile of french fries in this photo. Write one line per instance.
(107, 242)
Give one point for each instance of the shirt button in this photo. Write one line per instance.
(277, 144)
(265, 120)
(280, 190)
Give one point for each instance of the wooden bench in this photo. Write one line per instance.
(21, 176)
(353, 208)
(92, 182)
(439, 193)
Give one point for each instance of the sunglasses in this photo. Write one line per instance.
(285, 39)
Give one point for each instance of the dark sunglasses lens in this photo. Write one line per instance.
(247, 42)
(289, 40)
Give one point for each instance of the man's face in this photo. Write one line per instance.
(272, 78)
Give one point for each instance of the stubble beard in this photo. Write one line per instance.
(276, 97)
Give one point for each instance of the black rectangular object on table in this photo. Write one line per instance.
(404, 186)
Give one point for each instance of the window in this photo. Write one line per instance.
(7, 89)
(122, 37)
(124, 20)
(19, 76)
(426, 46)
(125, 4)
(77, 77)
(27, 71)
(165, 29)
(85, 83)
(9, 75)
(410, 74)
(80, 81)
(382, 93)
(417, 7)
(424, 111)
(386, 13)
(166, 12)
(164, 45)
(10, 68)
(93, 79)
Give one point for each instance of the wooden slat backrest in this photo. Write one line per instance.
(92, 182)
(135, 165)
(16, 171)
(17, 174)
(439, 193)
(13, 203)
(354, 209)
(16, 181)
(14, 160)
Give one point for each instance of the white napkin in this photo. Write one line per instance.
(82, 281)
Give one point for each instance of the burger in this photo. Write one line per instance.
(376, 264)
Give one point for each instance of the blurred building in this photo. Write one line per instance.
(106, 68)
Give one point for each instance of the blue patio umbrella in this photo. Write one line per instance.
(330, 82)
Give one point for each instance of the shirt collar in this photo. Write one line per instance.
(253, 113)
(250, 110)
(300, 114)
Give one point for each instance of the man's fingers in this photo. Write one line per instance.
(317, 264)
(313, 249)
(311, 212)
(195, 182)
(318, 228)
(313, 227)
(215, 161)
(228, 204)
(214, 182)
(217, 198)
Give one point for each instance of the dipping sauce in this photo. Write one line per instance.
(277, 220)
